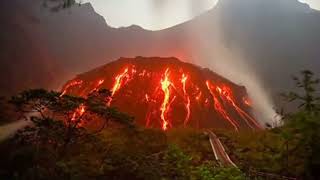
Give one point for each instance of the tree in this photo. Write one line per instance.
(305, 125)
(59, 127)
(62, 119)
(308, 100)
(177, 165)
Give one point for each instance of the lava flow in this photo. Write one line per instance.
(77, 115)
(167, 93)
(226, 93)
(120, 80)
(69, 85)
(165, 106)
(184, 81)
(219, 108)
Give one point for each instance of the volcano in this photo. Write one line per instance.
(167, 93)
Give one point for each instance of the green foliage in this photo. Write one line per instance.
(305, 126)
(229, 174)
(176, 163)
(289, 150)
(56, 130)
(308, 100)
(259, 150)
(114, 153)
(193, 142)
(57, 120)
(305, 123)
(58, 146)
(209, 171)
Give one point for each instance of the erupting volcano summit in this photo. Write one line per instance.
(166, 93)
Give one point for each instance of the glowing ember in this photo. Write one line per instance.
(247, 101)
(77, 114)
(100, 82)
(198, 97)
(147, 97)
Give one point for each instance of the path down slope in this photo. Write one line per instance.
(220, 153)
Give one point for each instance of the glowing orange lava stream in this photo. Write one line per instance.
(120, 80)
(71, 84)
(226, 92)
(100, 82)
(187, 104)
(159, 103)
(165, 86)
(219, 108)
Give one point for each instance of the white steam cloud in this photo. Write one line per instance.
(232, 64)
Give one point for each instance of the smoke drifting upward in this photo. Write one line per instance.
(232, 64)
(211, 50)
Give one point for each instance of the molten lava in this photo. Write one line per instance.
(219, 108)
(167, 93)
(187, 104)
(120, 80)
(165, 106)
(77, 115)
(69, 85)
(226, 93)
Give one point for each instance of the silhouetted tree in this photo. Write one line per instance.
(305, 124)
(308, 100)
(58, 129)
(61, 119)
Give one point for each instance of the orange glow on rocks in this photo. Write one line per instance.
(167, 93)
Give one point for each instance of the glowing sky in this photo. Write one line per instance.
(156, 14)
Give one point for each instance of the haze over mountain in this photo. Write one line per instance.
(244, 40)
